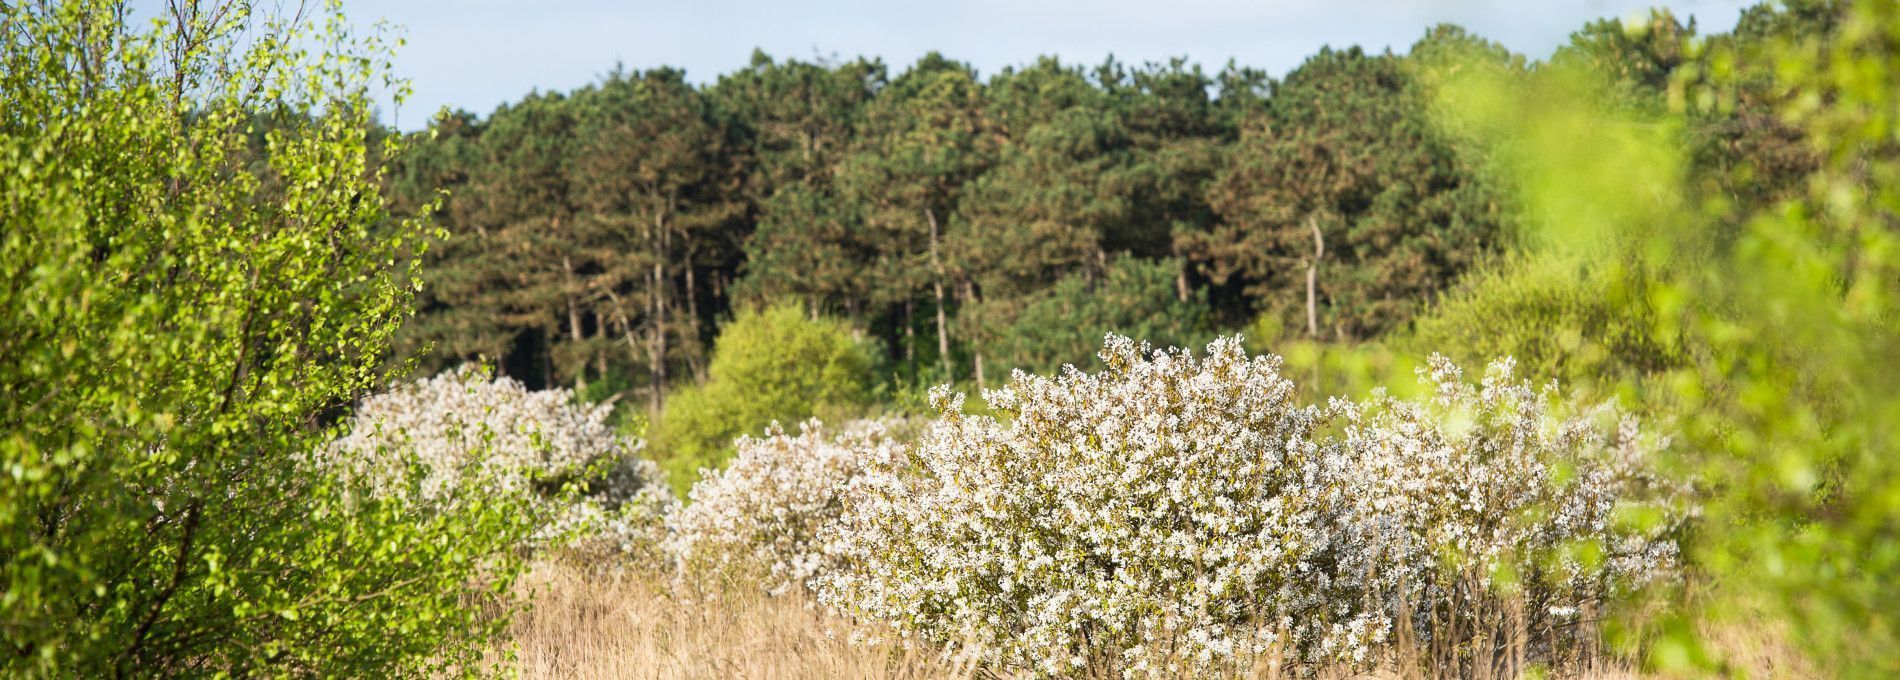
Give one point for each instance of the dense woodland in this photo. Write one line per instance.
(972, 225)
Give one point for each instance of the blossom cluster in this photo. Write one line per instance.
(1179, 514)
(1171, 514)
(464, 428)
(1473, 479)
(1167, 507)
(761, 517)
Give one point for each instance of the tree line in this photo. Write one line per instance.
(968, 226)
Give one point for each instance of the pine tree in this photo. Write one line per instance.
(1342, 208)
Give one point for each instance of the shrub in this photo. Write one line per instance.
(1788, 403)
(1167, 504)
(464, 429)
(770, 364)
(766, 514)
(1475, 497)
(1180, 514)
(179, 310)
(1560, 318)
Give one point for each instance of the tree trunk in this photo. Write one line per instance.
(626, 326)
(574, 324)
(1180, 276)
(656, 332)
(1312, 280)
(943, 331)
(976, 349)
(695, 360)
(910, 334)
(666, 283)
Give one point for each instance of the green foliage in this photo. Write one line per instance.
(584, 220)
(1345, 184)
(603, 231)
(179, 319)
(1065, 323)
(1788, 403)
(1638, 56)
(774, 364)
(1563, 319)
(794, 119)
(1348, 370)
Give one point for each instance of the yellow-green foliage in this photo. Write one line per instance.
(1562, 318)
(1789, 399)
(1322, 370)
(180, 314)
(771, 364)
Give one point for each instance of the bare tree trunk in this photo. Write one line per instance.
(695, 360)
(660, 310)
(626, 326)
(943, 331)
(1312, 279)
(655, 383)
(910, 344)
(656, 348)
(981, 384)
(976, 353)
(574, 323)
(1180, 276)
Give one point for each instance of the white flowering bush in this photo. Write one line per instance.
(1166, 510)
(1481, 493)
(766, 515)
(464, 427)
(1180, 515)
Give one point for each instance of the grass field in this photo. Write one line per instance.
(584, 625)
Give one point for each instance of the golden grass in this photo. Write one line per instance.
(582, 624)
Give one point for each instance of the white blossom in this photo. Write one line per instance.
(463, 428)
(1474, 479)
(1184, 513)
(1158, 505)
(763, 515)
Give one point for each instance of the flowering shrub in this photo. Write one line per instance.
(763, 515)
(1167, 508)
(1474, 482)
(463, 428)
(1175, 514)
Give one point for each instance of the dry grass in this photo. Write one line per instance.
(586, 625)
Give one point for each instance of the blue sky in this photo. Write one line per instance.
(475, 54)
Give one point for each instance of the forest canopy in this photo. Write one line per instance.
(604, 234)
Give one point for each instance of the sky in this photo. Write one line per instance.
(476, 54)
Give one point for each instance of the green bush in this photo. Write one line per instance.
(1065, 323)
(771, 364)
(1787, 402)
(180, 315)
(1561, 318)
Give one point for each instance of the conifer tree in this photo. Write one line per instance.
(1342, 209)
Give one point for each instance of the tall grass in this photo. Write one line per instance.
(586, 624)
